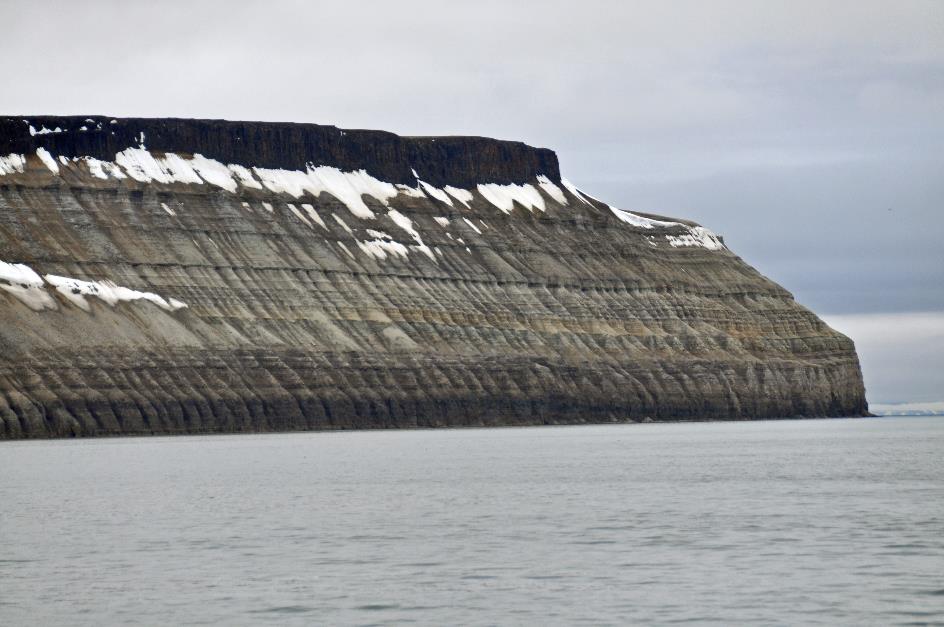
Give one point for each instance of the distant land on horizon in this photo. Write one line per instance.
(908, 409)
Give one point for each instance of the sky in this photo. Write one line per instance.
(809, 134)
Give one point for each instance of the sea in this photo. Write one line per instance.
(807, 522)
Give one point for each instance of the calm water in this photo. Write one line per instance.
(807, 522)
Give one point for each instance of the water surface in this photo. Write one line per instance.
(801, 522)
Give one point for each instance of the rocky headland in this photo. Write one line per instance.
(191, 276)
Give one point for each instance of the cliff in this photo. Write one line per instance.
(188, 276)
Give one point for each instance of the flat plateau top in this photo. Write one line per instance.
(448, 160)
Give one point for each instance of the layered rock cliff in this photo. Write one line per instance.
(187, 276)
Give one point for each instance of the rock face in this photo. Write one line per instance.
(188, 276)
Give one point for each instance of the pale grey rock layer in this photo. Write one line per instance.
(557, 317)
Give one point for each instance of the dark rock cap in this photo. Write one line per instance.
(452, 160)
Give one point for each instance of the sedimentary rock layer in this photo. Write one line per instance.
(188, 276)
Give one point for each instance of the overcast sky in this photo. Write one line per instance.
(809, 134)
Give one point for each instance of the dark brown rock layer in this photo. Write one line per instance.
(457, 161)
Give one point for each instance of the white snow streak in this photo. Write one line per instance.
(75, 290)
(343, 224)
(214, 172)
(473, 227)
(314, 216)
(244, 176)
(12, 164)
(697, 236)
(44, 131)
(299, 215)
(573, 190)
(436, 193)
(407, 225)
(25, 284)
(381, 248)
(462, 195)
(505, 196)
(412, 192)
(636, 220)
(47, 159)
(552, 190)
(348, 187)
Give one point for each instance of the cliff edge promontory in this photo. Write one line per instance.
(190, 276)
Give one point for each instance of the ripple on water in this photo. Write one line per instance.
(284, 609)
(378, 607)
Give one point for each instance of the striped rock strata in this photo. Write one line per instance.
(190, 276)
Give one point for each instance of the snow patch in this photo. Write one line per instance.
(343, 224)
(214, 172)
(412, 192)
(12, 164)
(143, 167)
(314, 216)
(96, 168)
(462, 195)
(44, 131)
(697, 236)
(382, 248)
(244, 176)
(103, 169)
(636, 220)
(442, 221)
(551, 189)
(174, 168)
(25, 284)
(299, 214)
(573, 190)
(22, 282)
(47, 159)
(436, 193)
(348, 187)
(472, 226)
(76, 291)
(505, 196)
(407, 225)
